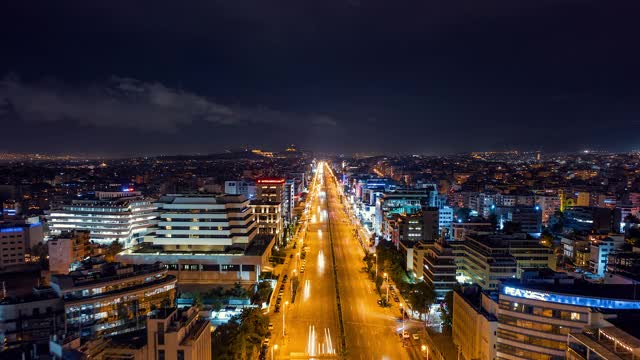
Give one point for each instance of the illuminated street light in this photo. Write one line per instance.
(376, 257)
(387, 279)
(402, 311)
(284, 311)
(275, 347)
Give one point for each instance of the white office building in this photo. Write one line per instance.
(240, 187)
(125, 219)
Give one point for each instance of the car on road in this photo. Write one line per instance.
(266, 342)
(416, 337)
(270, 326)
(405, 334)
(277, 309)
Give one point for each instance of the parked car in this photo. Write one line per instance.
(416, 337)
(405, 334)
(270, 326)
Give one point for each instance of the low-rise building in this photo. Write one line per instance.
(12, 246)
(536, 316)
(69, 248)
(600, 251)
(488, 259)
(110, 298)
(169, 334)
(615, 338)
(178, 335)
(29, 321)
(475, 323)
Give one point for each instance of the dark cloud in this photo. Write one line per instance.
(333, 75)
(130, 103)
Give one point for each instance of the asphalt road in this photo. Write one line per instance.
(312, 323)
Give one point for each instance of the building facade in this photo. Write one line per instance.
(536, 318)
(67, 249)
(178, 335)
(125, 219)
(111, 298)
(205, 240)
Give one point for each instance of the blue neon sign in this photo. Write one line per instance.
(570, 299)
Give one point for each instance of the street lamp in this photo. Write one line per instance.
(376, 257)
(275, 347)
(386, 277)
(425, 348)
(284, 311)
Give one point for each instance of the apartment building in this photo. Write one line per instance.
(111, 298)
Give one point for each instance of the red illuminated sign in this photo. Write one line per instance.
(270, 181)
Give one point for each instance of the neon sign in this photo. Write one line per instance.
(527, 294)
(271, 181)
(596, 302)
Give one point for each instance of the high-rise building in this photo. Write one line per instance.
(276, 190)
(440, 268)
(268, 218)
(289, 200)
(122, 219)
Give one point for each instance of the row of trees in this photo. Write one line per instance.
(420, 295)
(241, 337)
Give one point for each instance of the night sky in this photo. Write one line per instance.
(152, 77)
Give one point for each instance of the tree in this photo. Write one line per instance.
(238, 290)
(631, 219)
(368, 260)
(114, 248)
(379, 281)
(262, 293)
(446, 310)
(240, 338)
(511, 227)
(41, 251)
(421, 296)
(493, 219)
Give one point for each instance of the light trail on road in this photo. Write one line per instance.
(320, 262)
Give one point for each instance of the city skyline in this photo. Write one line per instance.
(341, 76)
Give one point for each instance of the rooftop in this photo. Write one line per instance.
(201, 199)
(582, 288)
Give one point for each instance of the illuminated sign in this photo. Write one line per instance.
(527, 294)
(571, 299)
(271, 181)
